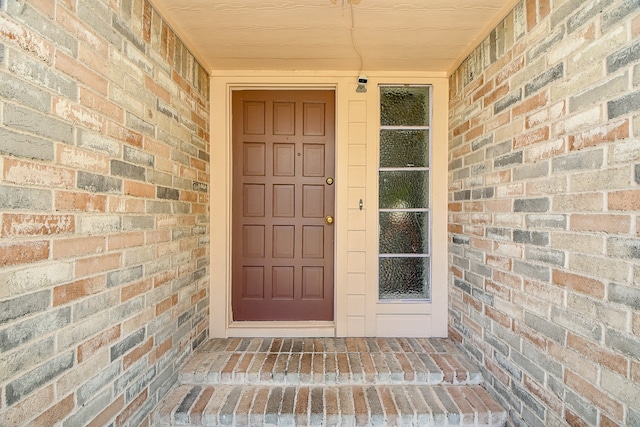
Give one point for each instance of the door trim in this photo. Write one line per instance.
(221, 321)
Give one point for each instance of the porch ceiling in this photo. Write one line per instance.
(389, 35)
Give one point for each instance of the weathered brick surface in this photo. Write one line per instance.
(95, 319)
(329, 381)
(550, 318)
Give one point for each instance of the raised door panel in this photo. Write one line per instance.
(282, 249)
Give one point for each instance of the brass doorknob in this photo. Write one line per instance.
(328, 219)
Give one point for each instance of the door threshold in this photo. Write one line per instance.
(301, 329)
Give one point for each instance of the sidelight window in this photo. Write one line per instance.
(404, 177)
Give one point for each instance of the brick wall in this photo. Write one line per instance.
(544, 204)
(104, 238)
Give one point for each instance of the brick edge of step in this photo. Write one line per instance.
(287, 405)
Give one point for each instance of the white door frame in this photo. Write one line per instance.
(357, 309)
(221, 320)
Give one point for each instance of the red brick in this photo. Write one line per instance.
(455, 207)
(55, 414)
(125, 240)
(199, 121)
(139, 189)
(533, 103)
(36, 225)
(97, 264)
(157, 236)
(95, 344)
(157, 89)
(15, 253)
(571, 360)
(574, 420)
(166, 304)
(601, 223)
(163, 278)
(461, 129)
(498, 317)
(134, 289)
(533, 137)
(182, 83)
(83, 202)
(575, 282)
(44, 6)
(531, 14)
(79, 72)
(78, 246)
(531, 335)
(100, 104)
(474, 133)
(607, 422)
(136, 354)
(544, 8)
(123, 134)
(493, 96)
(470, 301)
(497, 371)
(103, 418)
(454, 228)
(16, 414)
(509, 69)
(609, 132)
(93, 59)
(28, 173)
(188, 172)
(76, 290)
(157, 148)
(163, 348)
(498, 290)
(508, 279)
(626, 200)
(549, 399)
(483, 244)
(488, 87)
(132, 408)
(118, 204)
(593, 351)
(188, 196)
(635, 26)
(595, 396)
(198, 164)
(198, 296)
(140, 320)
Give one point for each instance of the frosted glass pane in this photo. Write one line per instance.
(404, 233)
(404, 106)
(404, 278)
(404, 189)
(404, 148)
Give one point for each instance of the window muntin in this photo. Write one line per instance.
(404, 224)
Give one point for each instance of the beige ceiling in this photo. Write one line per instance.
(389, 35)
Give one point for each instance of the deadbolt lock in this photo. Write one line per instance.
(329, 180)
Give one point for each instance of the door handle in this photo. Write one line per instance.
(328, 219)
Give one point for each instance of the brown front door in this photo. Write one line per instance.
(283, 157)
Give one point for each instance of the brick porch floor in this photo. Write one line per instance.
(329, 382)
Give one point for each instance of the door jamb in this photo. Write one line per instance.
(221, 323)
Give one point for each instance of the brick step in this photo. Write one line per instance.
(347, 405)
(329, 361)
